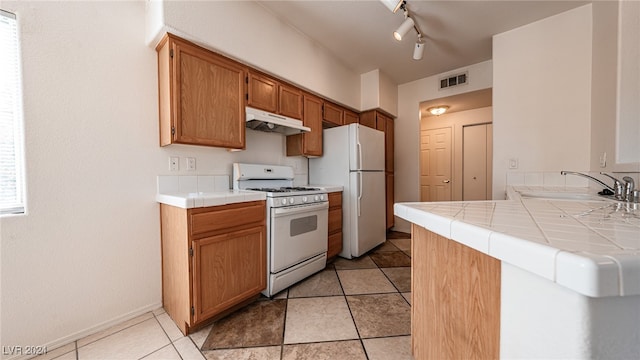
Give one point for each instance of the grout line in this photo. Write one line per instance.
(77, 351)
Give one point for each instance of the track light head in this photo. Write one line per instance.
(407, 25)
(418, 50)
(393, 5)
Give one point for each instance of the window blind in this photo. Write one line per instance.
(11, 133)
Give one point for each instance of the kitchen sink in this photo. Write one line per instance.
(561, 195)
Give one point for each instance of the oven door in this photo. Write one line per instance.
(297, 234)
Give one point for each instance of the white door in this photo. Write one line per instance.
(435, 165)
(476, 162)
(366, 148)
(368, 222)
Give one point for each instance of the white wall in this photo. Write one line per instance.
(407, 127)
(604, 84)
(378, 91)
(246, 31)
(87, 254)
(542, 95)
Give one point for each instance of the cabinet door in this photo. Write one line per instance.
(290, 101)
(368, 119)
(389, 199)
(380, 122)
(227, 269)
(332, 114)
(208, 98)
(262, 92)
(310, 143)
(388, 145)
(350, 117)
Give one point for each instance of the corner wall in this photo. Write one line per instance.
(542, 96)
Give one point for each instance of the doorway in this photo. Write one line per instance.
(456, 149)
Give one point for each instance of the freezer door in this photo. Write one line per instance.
(367, 211)
(366, 148)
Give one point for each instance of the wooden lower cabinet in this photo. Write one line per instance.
(389, 195)
(455, 299)
(212, 259)
(335, 224)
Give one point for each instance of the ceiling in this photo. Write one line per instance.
(458, 33)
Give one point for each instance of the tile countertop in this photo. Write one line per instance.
(201, 191)
(584, 243)
(204, 199)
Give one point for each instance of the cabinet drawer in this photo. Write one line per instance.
(335, 220)
(335, 199)
(227, 217)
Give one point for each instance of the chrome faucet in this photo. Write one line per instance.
(625, 193)
(617, 184)
(630, 192)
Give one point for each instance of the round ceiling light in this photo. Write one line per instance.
(438, 110)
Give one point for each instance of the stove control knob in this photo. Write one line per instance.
(316, 198)
(304, 199)
(291, 200)
(284, 201)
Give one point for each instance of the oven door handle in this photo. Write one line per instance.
(301, 209)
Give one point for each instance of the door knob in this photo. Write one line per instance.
(445, 181)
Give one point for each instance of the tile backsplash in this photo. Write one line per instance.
(192, 183)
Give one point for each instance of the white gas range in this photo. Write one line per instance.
(297, 223)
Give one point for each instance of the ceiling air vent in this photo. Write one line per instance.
(454, 80)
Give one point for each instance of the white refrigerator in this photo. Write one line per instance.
(353, 156)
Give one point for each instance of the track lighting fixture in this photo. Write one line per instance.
(418, 50)
(393, 5)
(406, 25)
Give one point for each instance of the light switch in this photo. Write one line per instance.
(191, 164)
(603, 160)
(513, 163)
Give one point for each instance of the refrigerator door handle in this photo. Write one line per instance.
(359, 156)
(359, 192)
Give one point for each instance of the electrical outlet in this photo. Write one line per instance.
(603, 160)
(513, 163)
(174, 163)
(191, 164)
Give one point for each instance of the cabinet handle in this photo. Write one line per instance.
(446, 181)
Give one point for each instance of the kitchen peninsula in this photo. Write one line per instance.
(550, 273)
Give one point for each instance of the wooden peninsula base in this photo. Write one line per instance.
(455, 299)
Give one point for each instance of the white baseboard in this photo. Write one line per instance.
(62, 341)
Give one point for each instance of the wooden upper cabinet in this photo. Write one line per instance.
(332, 114)
(290, 101)
(368, 119)
(308, 144)
(350, 117)
(201, 96)
(271, 95)
(262, 92)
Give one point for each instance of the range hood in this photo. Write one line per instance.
(265, 121)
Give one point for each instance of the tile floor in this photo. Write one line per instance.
(354, 309)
